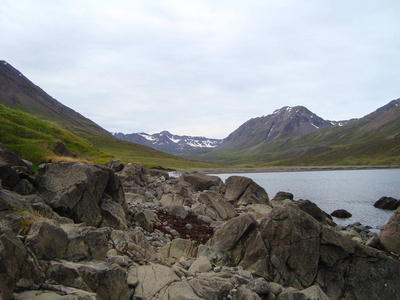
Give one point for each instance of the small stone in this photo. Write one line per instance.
(189, 226)
(373, 242)
(174, 233)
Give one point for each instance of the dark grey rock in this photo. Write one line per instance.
(387, 203)
(201, 182)
(341, 213)
(283, 196)
(313, 210)
(243, 190)
(61, 150)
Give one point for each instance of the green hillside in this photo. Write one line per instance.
(34, 139)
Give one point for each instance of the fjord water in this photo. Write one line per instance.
(353, 190)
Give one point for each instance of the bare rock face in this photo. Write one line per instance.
(390, 233)
(243, 190)
(76, 190)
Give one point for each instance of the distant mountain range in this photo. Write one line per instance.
(170, 143)
(296, 136)
(293, 136)
(289, 136)
(287, 121)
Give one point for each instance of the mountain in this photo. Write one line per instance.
(170, 143)
(284, 123)
(296, 136)
(18, 93)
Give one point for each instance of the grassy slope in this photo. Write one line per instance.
(34, 142)
(33, 139)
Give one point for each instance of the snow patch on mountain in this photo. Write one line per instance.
(170, 143)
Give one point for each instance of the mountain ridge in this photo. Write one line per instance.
(18, 92)
(170, 143)
(368, 140)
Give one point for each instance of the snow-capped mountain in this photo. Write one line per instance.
(286, 122)
(170, 143)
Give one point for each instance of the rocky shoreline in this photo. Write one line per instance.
(115, 231)
(282, 169)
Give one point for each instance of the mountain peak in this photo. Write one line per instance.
(286, 122)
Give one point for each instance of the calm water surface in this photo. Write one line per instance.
(353, 190)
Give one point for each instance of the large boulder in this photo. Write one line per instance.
(302, 253)
(292, 239)
(18, 267)
(220, 208)
(108, 281)
(389, 203)
(179, 248)
(8, 177)
(135, 174)
(47, 241)
(7, 157)
(61, 149)
(293, 249)
(201, 182)
(243, 190)
(86, 242)
(76, 190)
(209, 286)
(134, 244)
(390, 233)
(313, 210)
(279, 196)
(152, 280)
(115, 165)
(112, 214)
(10, 200)
(60, 293)
(229, 235)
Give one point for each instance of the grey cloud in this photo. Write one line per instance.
(205, 67)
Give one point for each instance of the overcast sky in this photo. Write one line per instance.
(205, 67)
